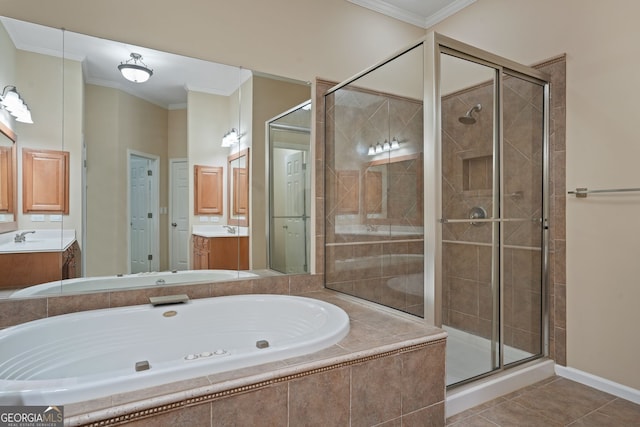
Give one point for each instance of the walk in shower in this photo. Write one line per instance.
(436, 189)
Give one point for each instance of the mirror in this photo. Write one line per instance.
(392, 192)
(290, 190)
(124, 137)
(238, 192)
(8, 179)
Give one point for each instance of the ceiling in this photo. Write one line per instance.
(173, 75)
(421, 13)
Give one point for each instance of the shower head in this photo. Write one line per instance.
(468, 118)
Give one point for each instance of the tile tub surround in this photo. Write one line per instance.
(390, 368)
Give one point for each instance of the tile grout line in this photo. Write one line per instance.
(594, 411)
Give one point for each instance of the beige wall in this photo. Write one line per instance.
(34, 76)
(117, 122)
(177, 146)
(600, 40)
(7, 70)
(270, 98)
(207, 121)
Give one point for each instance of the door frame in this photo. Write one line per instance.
(435, 45)
(155, 206)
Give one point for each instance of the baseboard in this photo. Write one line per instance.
(465, 397)
(599, 383)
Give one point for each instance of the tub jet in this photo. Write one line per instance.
(143, 365)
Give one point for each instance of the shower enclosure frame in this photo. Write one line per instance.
(433, 46)
(436, 44)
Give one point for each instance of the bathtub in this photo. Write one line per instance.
(80, 356)
(139, 280)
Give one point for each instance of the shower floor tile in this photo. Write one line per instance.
(553, 402)
(469, 355)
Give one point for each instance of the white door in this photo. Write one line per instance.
(143, 248)
(295, 223)
(179, 216)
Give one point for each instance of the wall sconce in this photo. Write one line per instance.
(230, 138)
(15, 105)
(133, 71)
(384, 147)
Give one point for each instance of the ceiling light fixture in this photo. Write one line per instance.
(134, 72)
(15, 105)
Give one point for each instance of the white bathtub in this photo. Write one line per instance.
(139, 280)
(87, 355)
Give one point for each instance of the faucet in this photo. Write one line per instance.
(230, 229)
(20, 237)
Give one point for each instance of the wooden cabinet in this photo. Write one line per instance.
(22, 269)
(208, 190)
(220, 253)
(45, 181)
(7, 178)
(348, 192)
(200, 253)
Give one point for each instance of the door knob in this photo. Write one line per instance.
(173, 224)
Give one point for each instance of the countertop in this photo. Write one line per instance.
(219, 231)
(40, 241)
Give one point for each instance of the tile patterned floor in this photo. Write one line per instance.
(553, 402)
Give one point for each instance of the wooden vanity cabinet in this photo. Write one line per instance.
(22, 269)
(220, 253)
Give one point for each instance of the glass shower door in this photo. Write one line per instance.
(470, 218)
(523, 212)
(493, 210)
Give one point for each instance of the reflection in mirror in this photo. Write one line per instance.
(39, 251)
(290, 190)
(392, 191)
(132, 151)
(8, 179)
(238, 192)
(373, 185)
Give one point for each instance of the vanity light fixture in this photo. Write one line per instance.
(230, 138)
(384, 147)
(136, 71)
(15, 105)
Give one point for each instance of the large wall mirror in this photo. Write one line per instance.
(132, 148)
(8, 179)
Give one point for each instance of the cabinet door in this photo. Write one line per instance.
(45, 181)
(7, 168)
(208, 190)
(229, 253)
(200, 253)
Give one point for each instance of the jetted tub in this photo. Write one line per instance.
(125, 281)
(80, 356)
